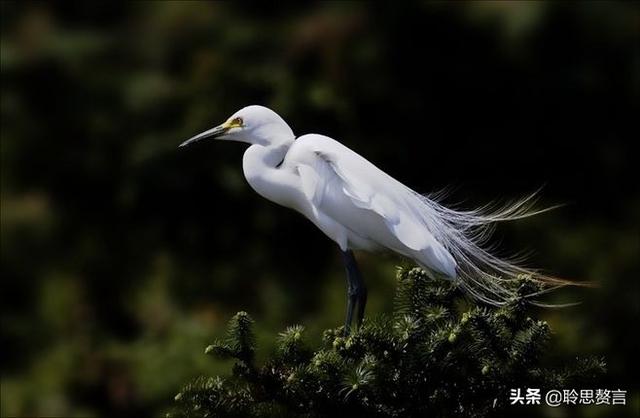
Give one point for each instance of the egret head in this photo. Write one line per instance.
(251, 124)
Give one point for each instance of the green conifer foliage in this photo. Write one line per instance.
(438, 355)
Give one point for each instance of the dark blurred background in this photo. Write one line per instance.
(123, 257)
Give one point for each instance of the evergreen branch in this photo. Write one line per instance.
(435, 356)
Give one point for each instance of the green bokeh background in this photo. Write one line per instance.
(122, 257)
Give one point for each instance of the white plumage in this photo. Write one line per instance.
(370, 209)
(361, 207)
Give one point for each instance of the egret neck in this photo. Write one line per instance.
(260, 164)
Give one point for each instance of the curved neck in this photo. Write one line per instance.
(260, 165)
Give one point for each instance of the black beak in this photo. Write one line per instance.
(210, 134)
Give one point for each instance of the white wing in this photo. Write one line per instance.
(342, 186)
(371, 204)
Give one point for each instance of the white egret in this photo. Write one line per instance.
(360, 207)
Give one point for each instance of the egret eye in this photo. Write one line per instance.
(237, 122)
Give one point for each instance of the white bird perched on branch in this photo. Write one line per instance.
(360, 207)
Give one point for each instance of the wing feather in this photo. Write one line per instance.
(368, 188)
(442, 239)
(310, 183)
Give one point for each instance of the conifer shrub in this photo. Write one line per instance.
(437, 355)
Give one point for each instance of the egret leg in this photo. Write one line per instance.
(362, 301)
(356, 291)
(352, 299)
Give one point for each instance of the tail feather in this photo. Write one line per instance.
(484, 275)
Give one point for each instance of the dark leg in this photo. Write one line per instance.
(356, 291)
(362, 302)
(352, 299)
